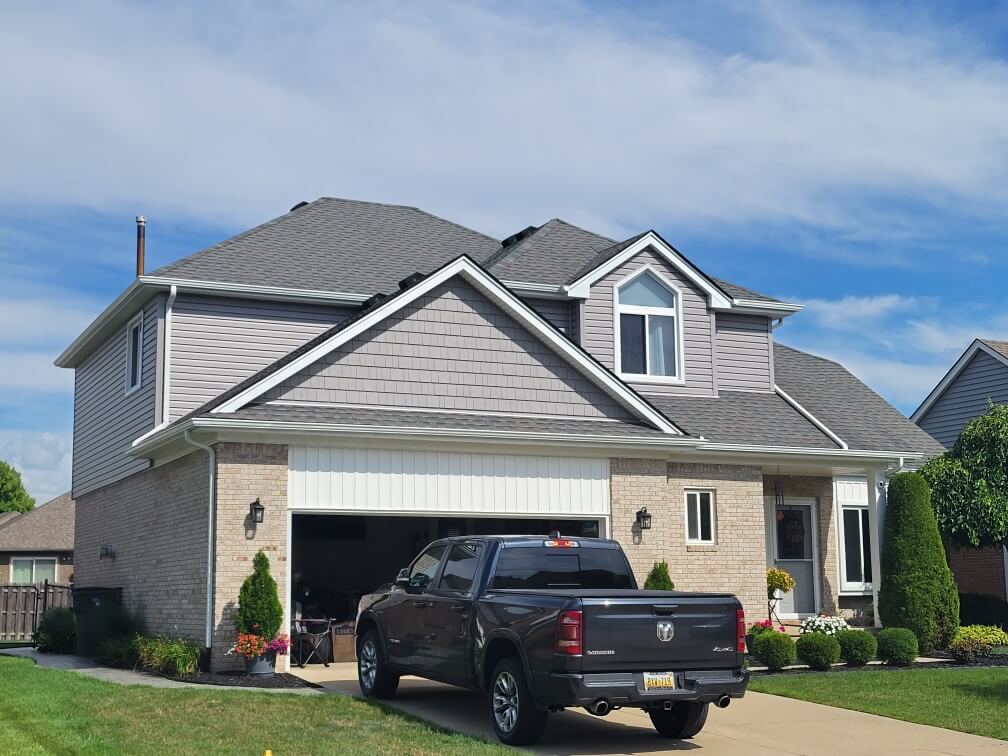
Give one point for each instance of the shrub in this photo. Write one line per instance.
(969, 650)
(818, 650)
(172, 656)
(989, 634)
(857, 647)
(823, 624)
(764, 626)
(980, 609)
(774, 650)
(56, 631)
(917, 591)
(778, 579)
(897, 646)
(119, 652)
(658, 579)
(259, 609)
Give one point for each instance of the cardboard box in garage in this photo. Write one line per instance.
(343, 642)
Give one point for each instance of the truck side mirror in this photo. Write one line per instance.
(402, 579)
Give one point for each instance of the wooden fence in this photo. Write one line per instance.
(22, 605)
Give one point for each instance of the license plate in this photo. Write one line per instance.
(659, 681)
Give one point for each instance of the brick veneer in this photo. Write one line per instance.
(736, 563)
(820, 489)
(978, 570)
(156, 523)
(246, 472)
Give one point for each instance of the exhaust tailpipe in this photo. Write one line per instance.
(600, 708)
(722, 703)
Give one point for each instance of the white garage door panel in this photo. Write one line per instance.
(397, 480)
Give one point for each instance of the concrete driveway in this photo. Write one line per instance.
(758, 724)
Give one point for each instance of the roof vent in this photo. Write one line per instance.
(373, 301)
(298, 206)
(411, 280)
(515, 238)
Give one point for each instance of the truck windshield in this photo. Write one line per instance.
(555, 568)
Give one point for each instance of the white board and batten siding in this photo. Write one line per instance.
(405, 481)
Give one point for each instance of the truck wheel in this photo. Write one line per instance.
(373, 675)
(516, 719)
(685, 719)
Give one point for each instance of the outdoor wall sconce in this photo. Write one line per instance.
(256, 511)
(643, 519)
(106, 553)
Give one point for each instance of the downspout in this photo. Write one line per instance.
(211, 529)
(166, 382)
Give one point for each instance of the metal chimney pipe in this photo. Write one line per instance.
(141, 222)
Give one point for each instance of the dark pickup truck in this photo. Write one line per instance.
(542, 623)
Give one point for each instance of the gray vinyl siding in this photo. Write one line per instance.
(106, 421)
(218, 342)
(697, 327)
(451, 349)
(744, 352)
(984, 378)
(556, 311)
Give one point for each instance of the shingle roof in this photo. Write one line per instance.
(548, 255)
(48, 527)
(336, 245)
(1001, 347)
(743, 417)
(395, 418)
(862, 418)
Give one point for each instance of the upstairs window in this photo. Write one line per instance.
(134, 353)
(648, 320)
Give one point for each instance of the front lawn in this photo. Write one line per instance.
(49, 711)
(970, 700)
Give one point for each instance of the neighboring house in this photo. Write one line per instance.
(978, 377)
(37, 545)
(555, 379)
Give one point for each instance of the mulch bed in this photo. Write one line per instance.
(241, 680)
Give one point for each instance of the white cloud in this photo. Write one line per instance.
(854, 313)
(43, 459)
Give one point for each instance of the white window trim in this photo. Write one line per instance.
(675, 312)
(33, 560)
(847, 586)
(713, 505)
(137, 322)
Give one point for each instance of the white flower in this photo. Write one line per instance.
(823, 623)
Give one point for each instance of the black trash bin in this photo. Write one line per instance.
(93, 609)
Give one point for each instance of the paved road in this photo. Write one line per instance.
(758, 724)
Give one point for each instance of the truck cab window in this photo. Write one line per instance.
(425, 567)
(460, 567)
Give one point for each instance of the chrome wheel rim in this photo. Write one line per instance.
(368, 664)
(505, 702)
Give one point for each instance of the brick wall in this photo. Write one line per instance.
(820, 489)
(156, 523)
(978, 570)
(246, 472)
(735, 564)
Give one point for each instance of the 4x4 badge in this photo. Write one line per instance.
(665, 631)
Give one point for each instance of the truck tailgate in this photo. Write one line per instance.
(652, 631)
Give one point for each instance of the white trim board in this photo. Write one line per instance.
(499, 295)
(953, 373)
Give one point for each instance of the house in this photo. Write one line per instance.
(978, 377)
(350, 380)
(37, 545)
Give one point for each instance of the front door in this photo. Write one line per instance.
(792, 547)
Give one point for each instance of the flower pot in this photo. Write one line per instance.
(778, 594)
(261, 665)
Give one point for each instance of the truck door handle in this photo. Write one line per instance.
(422, 604)
(460, 609)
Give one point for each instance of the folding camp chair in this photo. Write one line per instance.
(312, 632)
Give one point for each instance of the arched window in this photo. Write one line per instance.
(648, 317)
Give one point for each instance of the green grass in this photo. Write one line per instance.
(968, 700)
(49, 711)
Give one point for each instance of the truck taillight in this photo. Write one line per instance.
(569, 633)
(740, 631)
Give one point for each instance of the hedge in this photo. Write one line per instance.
(857, 647)
(897, 646)
(774, 650)
(818, 650)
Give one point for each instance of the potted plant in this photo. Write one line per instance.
(778, 583)
(258, 619)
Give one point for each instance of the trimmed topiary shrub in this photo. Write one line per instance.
(917, 590)
(979, 609)
(259, 611)
(56, 631)
(774, 650)
(659, 579)
(897, 646)
(857, 647)
(818, 650)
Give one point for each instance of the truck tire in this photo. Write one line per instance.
(375, 678)
(685, 719)
(515, 717)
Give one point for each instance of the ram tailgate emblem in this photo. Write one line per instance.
(665, 631)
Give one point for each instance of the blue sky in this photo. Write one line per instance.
(850, 157)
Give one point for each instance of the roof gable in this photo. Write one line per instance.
(996, 349)
(47, 527)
